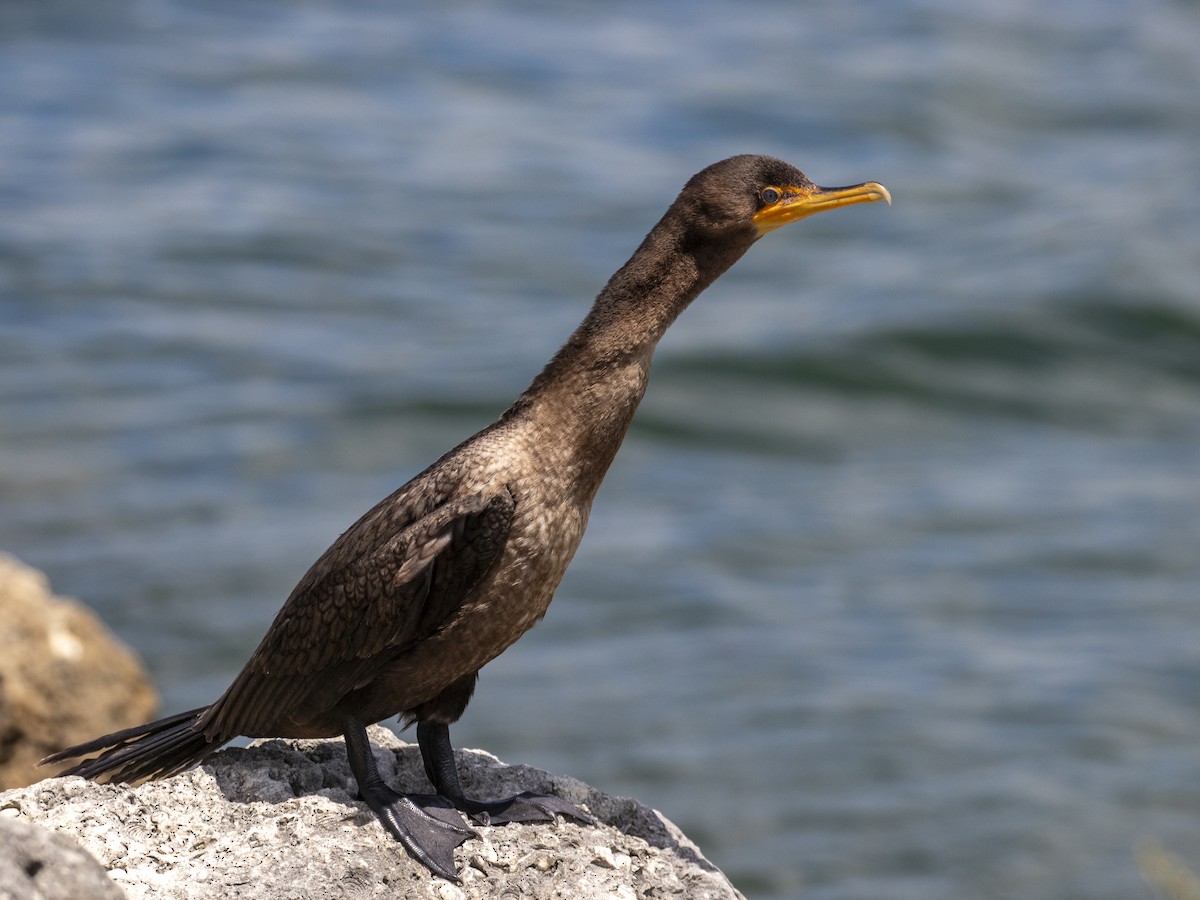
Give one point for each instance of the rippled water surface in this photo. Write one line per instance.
(894, 590)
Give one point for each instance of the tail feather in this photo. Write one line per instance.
(155, 750)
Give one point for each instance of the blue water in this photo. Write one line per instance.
(894, 590)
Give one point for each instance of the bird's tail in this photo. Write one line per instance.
(154, 750)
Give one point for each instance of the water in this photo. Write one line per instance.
(893, 589)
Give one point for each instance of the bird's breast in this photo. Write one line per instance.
(542, 540)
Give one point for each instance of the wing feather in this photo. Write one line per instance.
(354, 612)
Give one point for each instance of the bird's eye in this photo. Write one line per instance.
(769, 195)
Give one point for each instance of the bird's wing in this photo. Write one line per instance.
(391, 580)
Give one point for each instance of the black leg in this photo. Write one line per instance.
(429, 831)
(434, 740)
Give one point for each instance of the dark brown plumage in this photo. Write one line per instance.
(401, 612)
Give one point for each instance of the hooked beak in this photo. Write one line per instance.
(802, 202)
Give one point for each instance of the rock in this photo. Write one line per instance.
(64, 678)
(36, 864)
(281, 819)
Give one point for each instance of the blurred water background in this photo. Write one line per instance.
(893, 590)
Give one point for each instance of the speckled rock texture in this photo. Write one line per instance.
(36, 864)
(281, 819)
(64, 678)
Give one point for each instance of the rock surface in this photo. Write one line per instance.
(64, 678)
(281, 819)
(36, 863)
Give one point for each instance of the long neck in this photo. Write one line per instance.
(588, 392)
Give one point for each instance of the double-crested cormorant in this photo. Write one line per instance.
(399, 615)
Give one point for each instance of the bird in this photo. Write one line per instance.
(398, 616)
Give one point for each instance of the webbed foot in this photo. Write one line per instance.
(526, 806)
(523, 807)
(428, 826)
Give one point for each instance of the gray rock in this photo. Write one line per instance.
(64, 678)
(36, 864)
(281, 819)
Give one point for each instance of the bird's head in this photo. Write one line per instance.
(752, 195)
